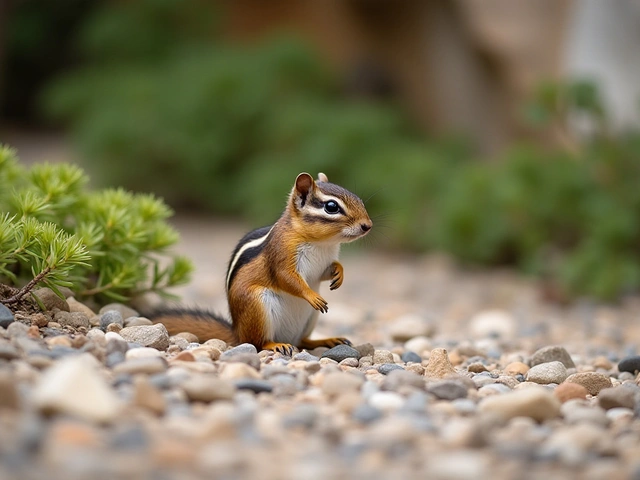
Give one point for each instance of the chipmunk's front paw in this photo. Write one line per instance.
(318, 303)
(283, 348)
(337, 276)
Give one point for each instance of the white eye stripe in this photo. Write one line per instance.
(253, 243)
(326, 198)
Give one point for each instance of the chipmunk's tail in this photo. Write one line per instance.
(203, 324)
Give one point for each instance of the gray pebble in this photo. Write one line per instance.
(365, 413)
(114, 358)
(305, 357)
(129, 438)
(17, 329)
(251, 359)
(447, 389)
(548, 372)
(366, 349)
(464, 406)
(155, 336)
(399, 377)
(340, 352)
(410, 356)
(240, 349)
(254, 385)
(50, 300)
(304, 416)
(125, 311)
(385, 368)
(8, 352)
(117, 345)
(109, 317)
(630, 364)
(550, 354)
(6, 316)
(617, 397)
(494, 387)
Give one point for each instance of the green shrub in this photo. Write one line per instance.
(102, 244)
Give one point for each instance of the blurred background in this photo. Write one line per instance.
(501, 132)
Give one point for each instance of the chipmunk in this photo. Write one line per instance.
(274, 273)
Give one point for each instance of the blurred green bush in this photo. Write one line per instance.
(228, 128)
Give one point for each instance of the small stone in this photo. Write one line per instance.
(252, 359)
(550, 354)
(617, 397)
(420, 345)
(448, 389)
(568, 391)
(411, 357)
(216, 343)
(386, 368)
(8, 352)
(493, 324)
(302, 416)
(439, 365)
(366, 413)
(630, 364)
(147, 396)
(396, 379)
(366, 349)
(382, 356)
(620, 414)
(185, 356)
(350, 362)
(6, 316)
(305, 357)
(73, 386)
(39, 320)
(50, 300)
(253, 385)
(76, 306)
(9, 397)
(546, 373)
(74, 320)
(204, 388)
(59, 341)
(592, 381)
(147, 365)
(338, 383)
(188, 336)
(236, 370)
(386, 401)
(476, 368)
(516, 368)
(576, 412)
(155, 336)
(409, 326)
(142, 352)
(240, 349)
(137, 322)
(534, 402)
(125, 311)
(340, 352)
(114, 327)
(602, 362)
(109, 317)
(17, 329)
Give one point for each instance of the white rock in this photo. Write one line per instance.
(155, 336)
(74, 386)
(143, 352)
(386, 401)
(493, 323)
(545, 373)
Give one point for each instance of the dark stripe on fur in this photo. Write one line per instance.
(248, 254)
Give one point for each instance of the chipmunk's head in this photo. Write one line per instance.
(323, 211)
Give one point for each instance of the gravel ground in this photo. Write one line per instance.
(454, 375)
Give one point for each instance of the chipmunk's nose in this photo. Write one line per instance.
(365, 227)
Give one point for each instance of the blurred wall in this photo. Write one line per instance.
(457, 66)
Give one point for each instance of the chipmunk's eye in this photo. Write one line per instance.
(331, 207)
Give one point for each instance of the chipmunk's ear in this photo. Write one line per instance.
(301, 190)
(322, 178)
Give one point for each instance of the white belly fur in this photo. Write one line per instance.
(290, 319)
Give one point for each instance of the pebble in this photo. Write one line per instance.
(550, 354)
(154, 336)
(137, 322)
(50, 300)
(447, 389)
(569, 391)
(516, 368)
(72, 319)
(74, 387)
(340, 352)
(125, 312)
(109, 317)
(549, 372)
(386, 368)
(592, 381)
(578, 411)
(386, 401)
(382, 356)
(410, 357)
(439, 365)
(254, 385)
(617, 397)
(239, 350)
(236, 370)
(147, 365)
(338, 383)
(409, 326)
(147, 396)
(630, 364)
(6, 316)
(534, 402)
(420, 345)
(203, 388)
(366, 413)
(493, 324)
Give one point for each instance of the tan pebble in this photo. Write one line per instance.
(439, 365)
(147, 365)
(76, 306)
(188, 336)
(40, 361)
(147, 396)
(59, 341)
(415, 368)
(348, 402)
(602, 362)
(185, 356)
(235, 370)
(55, 325)
(592, 381)
(79, 341)
(534, 402)
(201, 388)
(73, 433)
(114, 327)
(350, 362)
(33, 332)
(327, 361)
(340, 382)
(39, 320)
(476, 368)
(382, 356)
(9, 397)
(174, 349)
(455, 358)
(172, 452)
(199, 366)
(217, 343)
(569, 391)
(516, 368)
